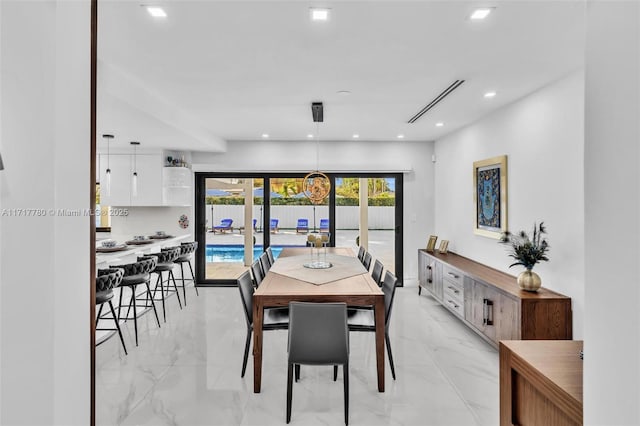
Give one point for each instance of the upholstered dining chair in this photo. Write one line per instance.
(269, 252)
(376, 272)
(264, 261)
(366, 261)
(361, 252)
(274, 318)
(318, 335)
(106, 281)
(256, 270)
(364, 319)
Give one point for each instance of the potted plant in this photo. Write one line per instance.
(527, 251)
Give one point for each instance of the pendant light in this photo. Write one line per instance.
(316, 184)
(107, 176)
(134, 178)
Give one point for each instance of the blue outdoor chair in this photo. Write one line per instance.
(303, 226)
(324, 225)
(273, 225)
(225, 225)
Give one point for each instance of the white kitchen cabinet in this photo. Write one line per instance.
(176, 186)
(149, 168)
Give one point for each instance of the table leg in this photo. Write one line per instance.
(379, 314)
(258, 315)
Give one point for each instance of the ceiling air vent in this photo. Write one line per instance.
(437, 100)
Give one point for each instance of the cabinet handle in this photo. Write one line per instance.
(454, 304)
(453, 275)
(487, 312)
(455, 290)
(430, 276)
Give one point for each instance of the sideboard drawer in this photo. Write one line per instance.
(453, 275)
(453, 305)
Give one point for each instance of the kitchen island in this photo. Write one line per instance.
(131, 253)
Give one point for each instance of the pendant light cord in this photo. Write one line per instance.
(317, 146)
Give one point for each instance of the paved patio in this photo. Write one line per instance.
(381, 246)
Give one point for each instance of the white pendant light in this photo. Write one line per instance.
(134, 178)
(107, 176)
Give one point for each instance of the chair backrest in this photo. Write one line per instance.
(256, 269)
(188, 248)
(318, 333)
(366, 261)
(264, 260)
(226, 222)
(361, 252)
(273, 224)
(108, 279)
(324, 223)
(303, 223)
(269, 252)
(145, 264)
(376, 272)
(245, 285)
(172, 253)
(389, 290)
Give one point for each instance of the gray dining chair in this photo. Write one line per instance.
(364, 319)
(269, 252)
(274, 318)
(366, 261)
(376, 272)
(256, 270)
(266, 264)
(318, 335)
(361, 252)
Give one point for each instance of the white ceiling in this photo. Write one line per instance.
(216, 71)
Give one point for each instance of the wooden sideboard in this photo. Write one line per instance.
(490, 302)
(541, 383)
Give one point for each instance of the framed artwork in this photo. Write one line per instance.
(490, 196)
(431, 245)
(444, 246)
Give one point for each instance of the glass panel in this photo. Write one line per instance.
(381, 217)
(224, 254)
(347, 212)
(293, 216)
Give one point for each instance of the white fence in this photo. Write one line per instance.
(347, 217)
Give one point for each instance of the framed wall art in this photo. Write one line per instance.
(490, 196)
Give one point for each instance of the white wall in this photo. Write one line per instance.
(44, 271)
(543, 137)
(612, 232)
(148, 220)
(412, 158)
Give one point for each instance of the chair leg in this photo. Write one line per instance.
(184, 291)
(247, 344)
(159, 281)
(99, 313)
(153, 305)
(297, 372)
(289, 390)
(175, 287)
(335, 373)
(135, 317)
(117, 326)
(393, 370)
(345, 378)
(193, 278)
(419, 290)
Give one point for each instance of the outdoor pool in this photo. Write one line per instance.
(235, 253)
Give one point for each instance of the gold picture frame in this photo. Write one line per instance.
(444, 247)
(431, 245)
(490, 196)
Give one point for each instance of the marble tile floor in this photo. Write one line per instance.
(188, 372)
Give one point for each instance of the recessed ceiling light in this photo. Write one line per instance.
(356, 136)
(156, 12)
(439, 124)
(319, 14)
(343, 92)
(490, 94)
(400, 136)
(480, 14)
(309, 135)
(265, 135)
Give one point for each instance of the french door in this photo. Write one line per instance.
(239, 215)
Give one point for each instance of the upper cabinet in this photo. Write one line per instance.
(176, 186)
(149, 170)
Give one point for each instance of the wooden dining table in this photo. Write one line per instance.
(278, 290)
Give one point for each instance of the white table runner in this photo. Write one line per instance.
(343, 267)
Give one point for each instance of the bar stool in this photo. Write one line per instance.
(106, 281)
(135, 274)
(165, 264)
(186, 254)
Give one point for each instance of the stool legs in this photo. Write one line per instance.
(113, 313)
(193, 278)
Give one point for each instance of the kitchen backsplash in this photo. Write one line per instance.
(148, 220)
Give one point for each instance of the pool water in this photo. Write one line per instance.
(235, 253)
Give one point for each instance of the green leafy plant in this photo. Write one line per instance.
(527, 251)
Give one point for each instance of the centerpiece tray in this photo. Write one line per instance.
(119, 247)
(138, 242)
(160, 237)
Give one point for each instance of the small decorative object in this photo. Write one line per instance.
(183, 221)
(108, 243)
(160, 233)
(431, 245)
(490, 196)
(527, 251)
(444, 246)
(139, 237)
(318, 244)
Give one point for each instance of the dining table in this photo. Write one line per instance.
(289, 280)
